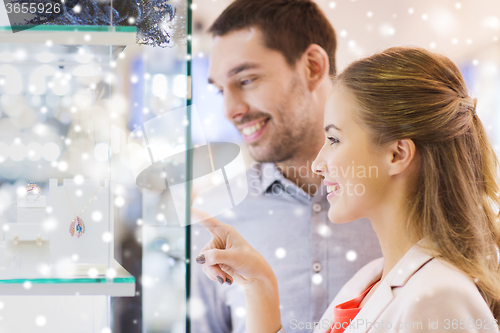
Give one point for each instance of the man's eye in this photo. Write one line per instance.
(333, 140)
(246, 82)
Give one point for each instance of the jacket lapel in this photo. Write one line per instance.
(411, 262)
(372, 309)
(364, 278)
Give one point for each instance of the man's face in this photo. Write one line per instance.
(264, 97)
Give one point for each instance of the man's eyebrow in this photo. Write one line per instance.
(330, 126)
(240, 68)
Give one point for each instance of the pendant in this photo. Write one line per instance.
(77, 227)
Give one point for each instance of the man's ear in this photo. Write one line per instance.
(317, 65)
(401, 155)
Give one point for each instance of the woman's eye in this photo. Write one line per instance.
(333, 140)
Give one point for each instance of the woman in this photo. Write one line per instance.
(404, 148)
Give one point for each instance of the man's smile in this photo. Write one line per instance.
(253, 130)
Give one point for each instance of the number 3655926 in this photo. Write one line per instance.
(33, 8)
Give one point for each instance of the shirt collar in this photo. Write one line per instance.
(270, 175)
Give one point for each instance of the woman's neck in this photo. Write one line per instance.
(394, 246)
(389, 224)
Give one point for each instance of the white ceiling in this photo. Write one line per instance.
(463, 30)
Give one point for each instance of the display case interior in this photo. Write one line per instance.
(70, 95)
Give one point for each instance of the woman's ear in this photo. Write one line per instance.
(402, 154)
(317, 65)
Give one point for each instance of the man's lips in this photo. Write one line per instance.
(251, 123)
(252, 131)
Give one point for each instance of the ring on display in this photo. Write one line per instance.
(30, 188)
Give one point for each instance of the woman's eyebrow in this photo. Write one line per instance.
(330, 126)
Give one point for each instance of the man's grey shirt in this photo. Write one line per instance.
(311, 256)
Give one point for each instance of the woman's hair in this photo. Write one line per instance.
(411, 93)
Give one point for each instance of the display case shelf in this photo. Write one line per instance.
(122, 285)
(71, 35)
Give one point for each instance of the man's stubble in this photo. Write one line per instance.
(294, 135)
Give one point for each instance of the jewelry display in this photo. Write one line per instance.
(39, 240)
(77, 226)
(89, 202)
(30, 188)
(27, 246)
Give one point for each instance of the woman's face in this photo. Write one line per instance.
(349, 161)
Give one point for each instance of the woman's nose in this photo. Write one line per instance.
(318, 167)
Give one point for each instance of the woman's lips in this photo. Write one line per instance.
(331, 189)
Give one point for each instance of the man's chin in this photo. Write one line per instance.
(265, 155)
(261, 157)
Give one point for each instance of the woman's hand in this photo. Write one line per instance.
(228, 257)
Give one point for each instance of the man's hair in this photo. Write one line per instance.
(288, 26)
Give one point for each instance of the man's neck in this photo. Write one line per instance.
(300, 173)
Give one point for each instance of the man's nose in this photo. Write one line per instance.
(234, 106)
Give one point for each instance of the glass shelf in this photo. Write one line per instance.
(122, 285)
(71, 35)
(77, 28)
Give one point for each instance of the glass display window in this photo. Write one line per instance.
(81, 242)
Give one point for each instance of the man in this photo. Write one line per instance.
(272, 61)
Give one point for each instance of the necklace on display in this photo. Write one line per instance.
(77, 226)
